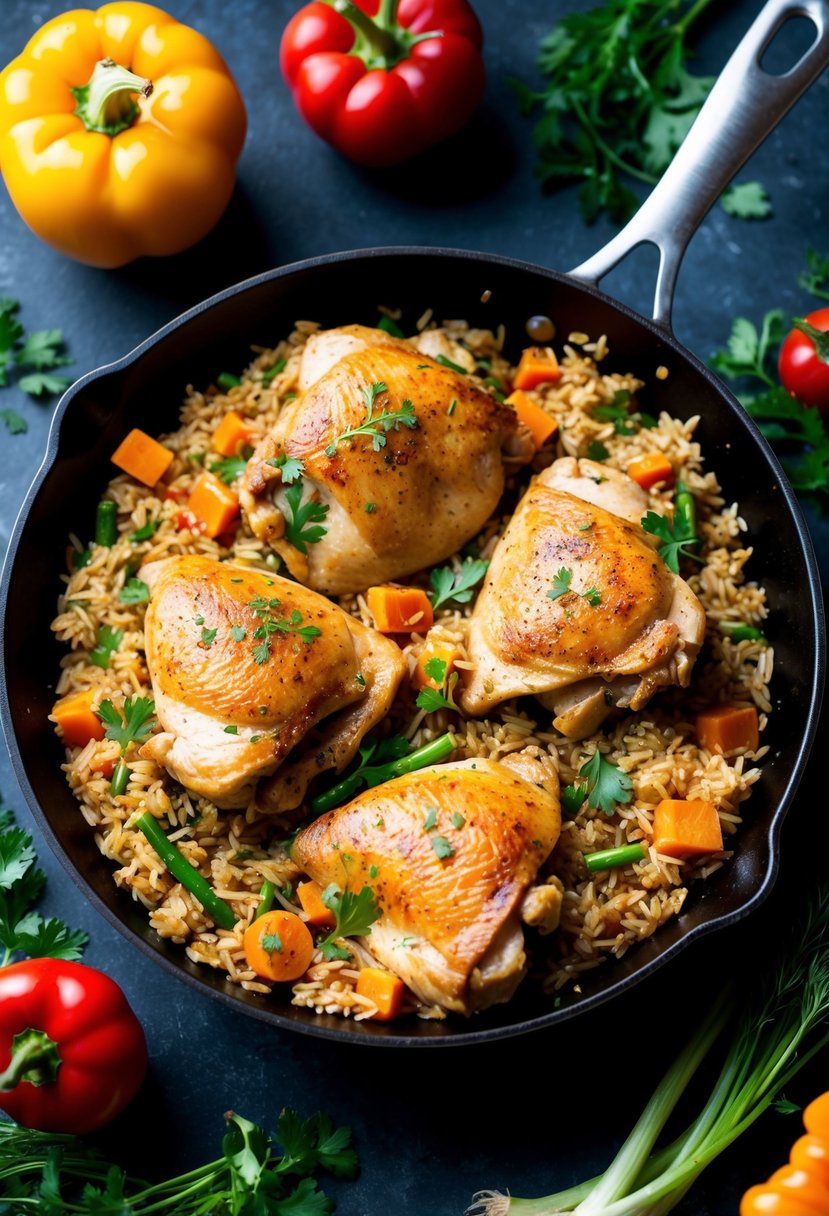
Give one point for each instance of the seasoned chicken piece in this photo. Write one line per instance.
(244, 666)
(449, 852)
(402, 456)
(578, 607)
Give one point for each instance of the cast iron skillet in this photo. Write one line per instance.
(147, 385)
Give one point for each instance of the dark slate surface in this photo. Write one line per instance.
(431, 1127)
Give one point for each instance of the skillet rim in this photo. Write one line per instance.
(456, 1037)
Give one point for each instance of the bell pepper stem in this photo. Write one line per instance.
(371, 38)
(387, 14)
(34, 1058)
(105, 103)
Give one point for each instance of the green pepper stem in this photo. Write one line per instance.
(106, 103)
(34, 1058)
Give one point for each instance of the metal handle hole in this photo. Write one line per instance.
(788, 45)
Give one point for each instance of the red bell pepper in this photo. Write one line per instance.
(72, 1052)
(382, 80)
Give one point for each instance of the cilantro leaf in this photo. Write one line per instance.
(606, 783)
(51, 939)
(132, 724)
(291, 468)
(355, 914)
(229, 469)
(315, 1143)
(272, 942)
(746, 201)
(377, 425)
(560, 584)
(435, 669)
(442, 847)
(109, 640)
(44, 384)
(449, 585)
(134, 591)
(676, 535)
(302, 514)
(597, 451)
(17, 854)
(13, 422)
(815, 278)
(572, 798)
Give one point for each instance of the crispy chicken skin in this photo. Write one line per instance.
(450, 926)
(392, 509)
(623, 627)
(202, 648)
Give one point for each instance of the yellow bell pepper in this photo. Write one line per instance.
(119, 133)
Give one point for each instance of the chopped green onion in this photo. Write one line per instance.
(228, 380)
(106, 523)
(739, 631)
(120, 778)
(391, 327)
(456, 367)
(267, 892)
(609, 859)
(185, 873)
(278, 367)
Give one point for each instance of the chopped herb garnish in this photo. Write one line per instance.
(373, 871)
(560, 584)
(370, 508)
(230, 469)
(289, 466)
(231, 730)
(449, 585)
(270, 624)
(739, 631)
(198, 620)
(147, 532)
(208, 637)
(238, 633)
(457, 820)
(678, 534)
(272, 943)
(572, 798)
(592, 595)
(301, 514)
(433, 699)
(606, 783)
(108, 642)
(355, 914)
(361, 679)
(377, 425)
(134, 591)
(596, 450)
(585, 527)
(442, 847)
(431, 820)
(455, 367)
(132, 724)
(453, 405)
(270, 372)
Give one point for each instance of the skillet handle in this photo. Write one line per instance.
(744, 106)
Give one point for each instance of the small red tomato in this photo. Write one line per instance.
(804, 360)
(72, 1052)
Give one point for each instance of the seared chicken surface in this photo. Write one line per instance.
(577, 607)
(450, 853)
(243, 666)
(405, 454)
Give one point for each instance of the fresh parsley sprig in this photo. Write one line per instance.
(617, 101)
(449, 585)
(433, 699)
(29, 361)
(303, 520)
(355, 913)
(63, 1174)
(678, 534)
(132, 724)
(377, 425)
(22, 930)
(290, 467)
(229, 469)
(603, 784)
(269, 624)
(815, 278)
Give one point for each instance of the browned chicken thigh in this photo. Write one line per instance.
(578, 607)
(450, 853)
(243, 666)
(402, 454)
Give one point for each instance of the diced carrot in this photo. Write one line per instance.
(434, 650)
(310, 896)
(399, 609)
(537, 421)
(143, 457)
(537, 365)
(647, 470)
(213, 503)
(77, 720)
(385, 989)
(728, 728)
(278, 946)
(686, 828)
(104, 766)
(231, 435)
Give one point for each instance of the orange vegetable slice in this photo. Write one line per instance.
(399, 609)
(142, 457)
(278, 946)
(650, 469)
(231, 435)
(213, 504)
(729, 729)
(385, 989)
(686, 828)
(76, 718)
(537, 421)
(310, 896)
(537, 365)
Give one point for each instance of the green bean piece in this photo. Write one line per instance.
(106, 523)
(371, 775)
(391, 327)
(120, 778)
(185, 873)
(267, 891)
(609, 859)
(227, 380)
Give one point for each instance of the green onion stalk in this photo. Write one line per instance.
(774, 1032)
